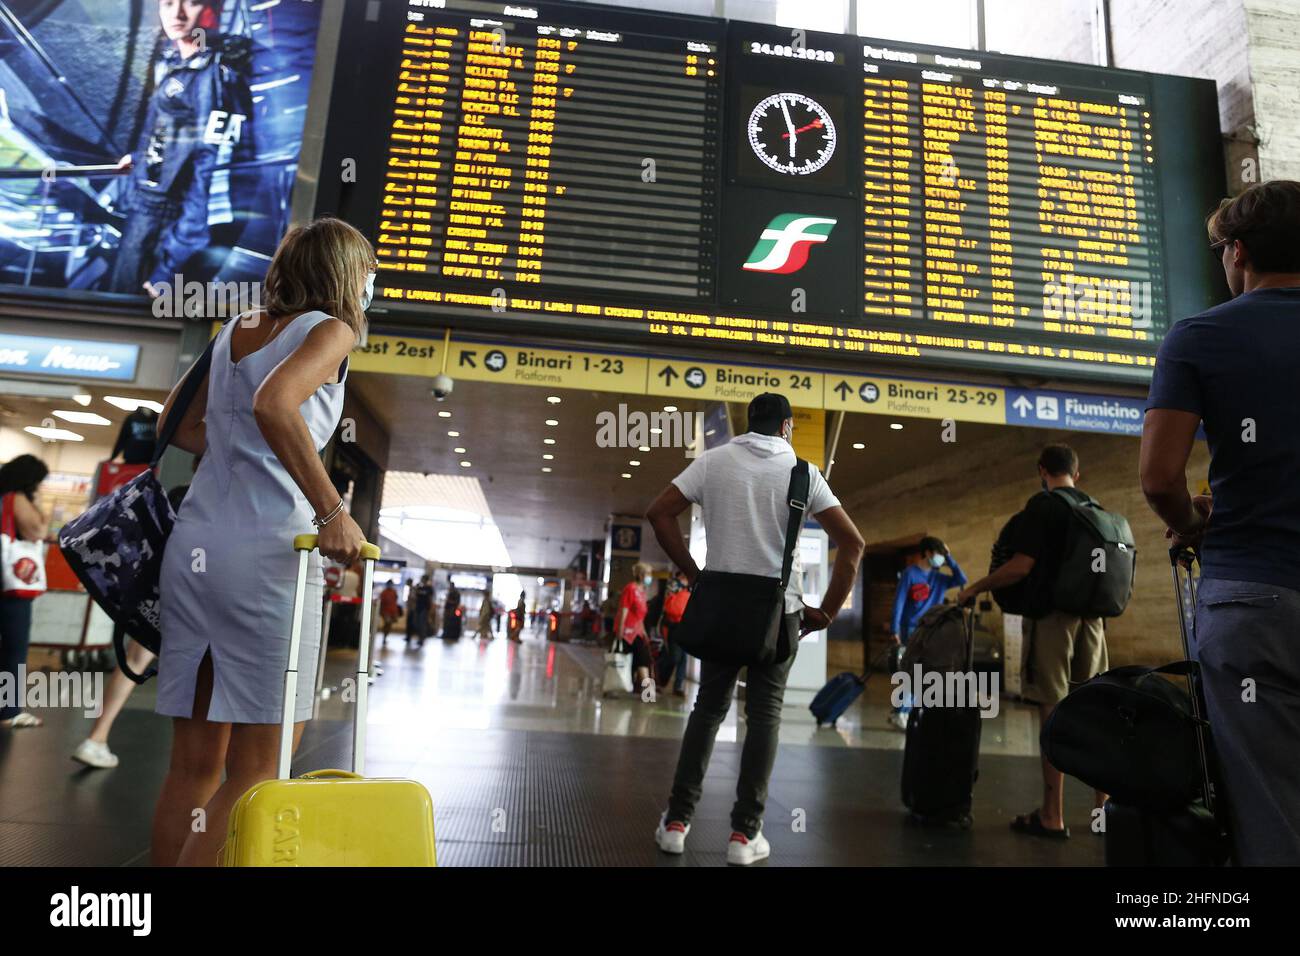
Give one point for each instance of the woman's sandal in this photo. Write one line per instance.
(20, 721)
(1032, 824)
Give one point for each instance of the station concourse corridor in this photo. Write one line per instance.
(527, 765)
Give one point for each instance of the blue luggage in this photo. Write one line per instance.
(839, 694)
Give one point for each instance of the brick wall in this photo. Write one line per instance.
(969, 491)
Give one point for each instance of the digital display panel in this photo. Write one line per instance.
(142, 142)
(590, 170)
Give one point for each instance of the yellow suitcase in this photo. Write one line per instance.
(330, 817)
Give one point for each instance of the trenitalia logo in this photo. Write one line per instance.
(783, 245)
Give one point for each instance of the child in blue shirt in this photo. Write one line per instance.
(921, 586)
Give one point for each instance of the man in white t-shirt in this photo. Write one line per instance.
(743, 490)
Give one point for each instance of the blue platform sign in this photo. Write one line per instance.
(1075, 411)
(68, 358)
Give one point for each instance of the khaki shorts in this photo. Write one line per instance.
(1065, 648)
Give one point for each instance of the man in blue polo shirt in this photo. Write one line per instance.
(1233, 367)
(921, 586)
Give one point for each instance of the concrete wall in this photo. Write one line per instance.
(1273, 27)
(967, 494)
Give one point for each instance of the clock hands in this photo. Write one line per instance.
(789, 124)
(815, 124)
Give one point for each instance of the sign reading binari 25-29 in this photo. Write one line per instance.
(68, 358)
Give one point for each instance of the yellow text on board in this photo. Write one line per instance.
(733, 383)
(914, 398)
(552, 368)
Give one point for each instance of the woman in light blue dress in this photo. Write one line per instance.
(272, 401)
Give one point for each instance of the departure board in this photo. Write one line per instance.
(609, 173)
(533, 150)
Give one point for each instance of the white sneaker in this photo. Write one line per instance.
(671, 838)
(742, 851)
(94, 754)
(898, 720)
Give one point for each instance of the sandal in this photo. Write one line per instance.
(1033, 826)
(22, 720)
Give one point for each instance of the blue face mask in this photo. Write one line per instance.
(369, 294)
(937, 560)
(646, 580)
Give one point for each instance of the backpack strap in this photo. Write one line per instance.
(800, 481)
(1072, 501)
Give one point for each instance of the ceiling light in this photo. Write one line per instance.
(896, 426)
(459, 451)
(644, 448)
(548, 441)
(548, 458)
(552, 422)
(553, 399)
(131, 404)
(444, 414)
(53, 434)
(626, 475)
(656, 431)
(858, 445)
(466, 464)
(634, 462)
(82, 399)
(546, 470)
(670, 408)
(453, 434)
(82, 418)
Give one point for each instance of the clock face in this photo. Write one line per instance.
(792, 134)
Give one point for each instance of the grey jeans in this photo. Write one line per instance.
(764, 696)
(1247, 640)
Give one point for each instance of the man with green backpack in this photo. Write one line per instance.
(1065, 564)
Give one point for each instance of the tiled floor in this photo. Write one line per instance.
(527, 765)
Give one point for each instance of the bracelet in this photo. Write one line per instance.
(322, 522)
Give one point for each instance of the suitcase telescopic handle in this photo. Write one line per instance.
(304, 544)
(1183, 558)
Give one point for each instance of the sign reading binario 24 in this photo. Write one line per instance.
(1075, 411)
(68, 358)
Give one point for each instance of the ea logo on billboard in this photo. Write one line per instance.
(869, 392)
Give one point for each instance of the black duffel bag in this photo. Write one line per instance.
(740, 618)
(1132, 734)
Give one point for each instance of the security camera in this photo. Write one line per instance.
(442, 386)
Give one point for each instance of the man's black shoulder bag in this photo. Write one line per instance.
(740, 618)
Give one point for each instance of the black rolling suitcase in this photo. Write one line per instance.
(1191, 835)
(941, 756)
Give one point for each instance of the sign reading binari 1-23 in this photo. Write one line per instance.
(579, 167)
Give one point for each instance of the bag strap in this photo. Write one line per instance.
(798, 498)
(184, 397)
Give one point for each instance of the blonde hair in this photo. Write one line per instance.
(641, 569)
(321, 266)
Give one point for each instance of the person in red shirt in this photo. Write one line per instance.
(629, 623)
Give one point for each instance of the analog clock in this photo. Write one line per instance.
(792, 133)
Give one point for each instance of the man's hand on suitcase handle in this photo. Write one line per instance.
(1189, 538)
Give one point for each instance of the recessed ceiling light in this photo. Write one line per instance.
(82, 418)
(548, 458)
(466, 464)
(53, 434)
(553, 399)
(444, 414)
(459, 451)
(548, 441)
(546, 470)
(83, 399)
(858, 445)
(552, 422)
(626, 475)
(634, 462)
(656, 431)
(670, 408)
(896, 426)
(644, 448)
(453, 434)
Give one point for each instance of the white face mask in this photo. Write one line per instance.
(369, 294)
(937, 560)
(646, 580)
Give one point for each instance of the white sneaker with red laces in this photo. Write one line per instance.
(671, 837)
(743, 851)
